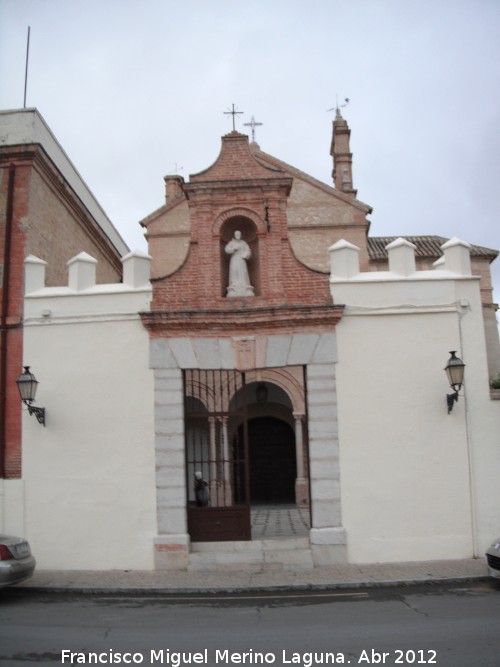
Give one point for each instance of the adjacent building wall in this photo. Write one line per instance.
(46, 209)
(20, 131)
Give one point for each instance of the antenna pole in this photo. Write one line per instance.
(26, 72)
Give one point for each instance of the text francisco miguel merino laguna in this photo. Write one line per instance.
(226, 657)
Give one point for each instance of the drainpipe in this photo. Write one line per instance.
(4, 328)
(470, 458)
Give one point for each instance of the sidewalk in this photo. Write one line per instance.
(339, 576)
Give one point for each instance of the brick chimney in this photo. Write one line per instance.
(173, 188)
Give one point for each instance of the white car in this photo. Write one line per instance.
(16, 562)
(493, 559)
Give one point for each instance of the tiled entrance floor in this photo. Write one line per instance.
(279, 521)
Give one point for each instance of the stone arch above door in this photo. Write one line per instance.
(289, 380)
(244, 353)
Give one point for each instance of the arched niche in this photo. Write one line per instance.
(248, 228)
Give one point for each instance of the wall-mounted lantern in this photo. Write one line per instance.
(27, 385)
(455, 372)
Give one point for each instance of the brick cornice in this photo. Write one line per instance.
(198, 188)
(245, 321)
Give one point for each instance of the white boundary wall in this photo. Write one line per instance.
(409, 481)
(417, 483)
(89, 475)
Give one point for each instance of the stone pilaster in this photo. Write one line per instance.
(328, 539)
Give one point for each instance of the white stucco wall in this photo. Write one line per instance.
(12, 506)
(89, 475)
(417, 483)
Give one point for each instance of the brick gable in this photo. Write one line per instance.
(235, 194)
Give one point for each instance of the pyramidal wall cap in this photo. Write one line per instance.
(34, 274)
(136, 253)
(136, 269)
(32, 259)
(399, 242)
(457, 256)
(343, 244)
(401, 257)
(82, 272)
(455, 241)
(344, 259)
(82, 257)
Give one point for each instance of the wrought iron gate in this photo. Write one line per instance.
(218, 489)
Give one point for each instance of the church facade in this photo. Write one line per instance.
(267, 358)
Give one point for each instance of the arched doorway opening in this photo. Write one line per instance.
(273, 467)
(246, 446)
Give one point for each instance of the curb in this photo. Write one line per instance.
(246, 591)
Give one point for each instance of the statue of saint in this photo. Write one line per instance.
(239, 282)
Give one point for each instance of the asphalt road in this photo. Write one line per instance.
(448, 626)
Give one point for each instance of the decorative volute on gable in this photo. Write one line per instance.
(319, 215)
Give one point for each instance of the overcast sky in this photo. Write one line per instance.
(134, 90)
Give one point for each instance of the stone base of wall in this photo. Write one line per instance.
(171, 552)
(328, 546)
(292, 553)
(324, 555)
(267, 555)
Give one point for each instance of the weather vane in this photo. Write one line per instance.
(233, 113)
(253, 124)
(338, 107)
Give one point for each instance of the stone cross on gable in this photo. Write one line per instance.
(233, 113)
(253, 124)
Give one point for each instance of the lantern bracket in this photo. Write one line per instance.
(455, 372)
(27, 385)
